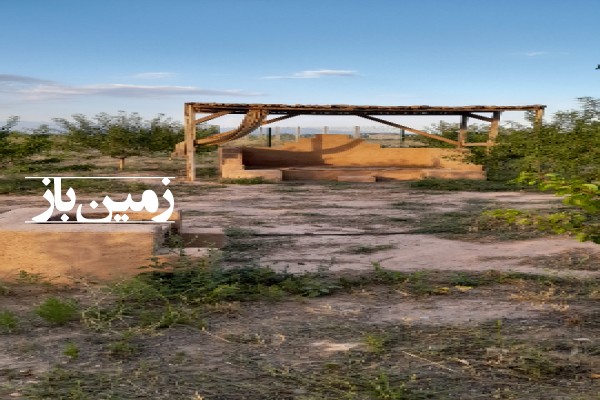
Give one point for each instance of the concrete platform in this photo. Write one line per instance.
(327, 157)
(94, 251)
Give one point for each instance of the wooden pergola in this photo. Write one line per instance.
(256, 115)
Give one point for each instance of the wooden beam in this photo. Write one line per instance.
(212, 116)
(480, 117)
(462, 133)
(278, 119)
(345, 109)
(494, 128)
(406, 128)
(190, 139)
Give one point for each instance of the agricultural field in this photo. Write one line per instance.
(325, 290)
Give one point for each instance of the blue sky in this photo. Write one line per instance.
(63, 57)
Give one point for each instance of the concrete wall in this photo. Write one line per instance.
(343, 151)
(324, 157)
(62, 252)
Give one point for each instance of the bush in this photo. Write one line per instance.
(569, 146)
(57, 311)
(8, 321)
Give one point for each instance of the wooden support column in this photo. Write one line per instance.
(539, 115)
(298, 130)
(462, 133)
(190, 139)
(494, 128)
(357, 132)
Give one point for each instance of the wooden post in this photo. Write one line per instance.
(269, 137)
(539, 115)
(298, 129)
(402, 135)
(121, 163)
(190, 139)
(462, 133)
(325, 130)
(357, 132)
(494, 128)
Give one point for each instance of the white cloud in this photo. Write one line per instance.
(535, 53)
(39, 89)
(540, 53)
(10, 80)
(154, 75)
(121, 90)
(315, 74)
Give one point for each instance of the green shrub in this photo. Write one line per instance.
(71, 350)
(8, 321)
(569, 145)
(57, 311)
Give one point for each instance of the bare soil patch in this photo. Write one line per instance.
(414, 303)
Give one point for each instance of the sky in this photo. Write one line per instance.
(65, 57)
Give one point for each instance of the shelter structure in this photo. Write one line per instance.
(257, 115)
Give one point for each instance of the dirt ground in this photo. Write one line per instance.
(478, 313)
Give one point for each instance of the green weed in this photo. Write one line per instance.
(8, 321)
(206, 172)
(448, 223)
(463, 279)
(233, 232)
(123, 348)
(288, 189)
(383, 389)
(71, 350)
(57, 311)
(19, 185)
(376, 343)
(4, 289)
(28, 278)
(259, 180)
(470, 185)
(369, 249)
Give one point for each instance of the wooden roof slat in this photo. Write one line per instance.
(345, 109)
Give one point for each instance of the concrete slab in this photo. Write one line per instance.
(324, 157)
(67, 251)
(356, 178)
(94, 251)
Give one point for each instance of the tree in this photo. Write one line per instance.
(10, 123)
(562, 157)
(582, 221)
(122, 135)
(163, 133)
(17, 147)
(569, 145)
